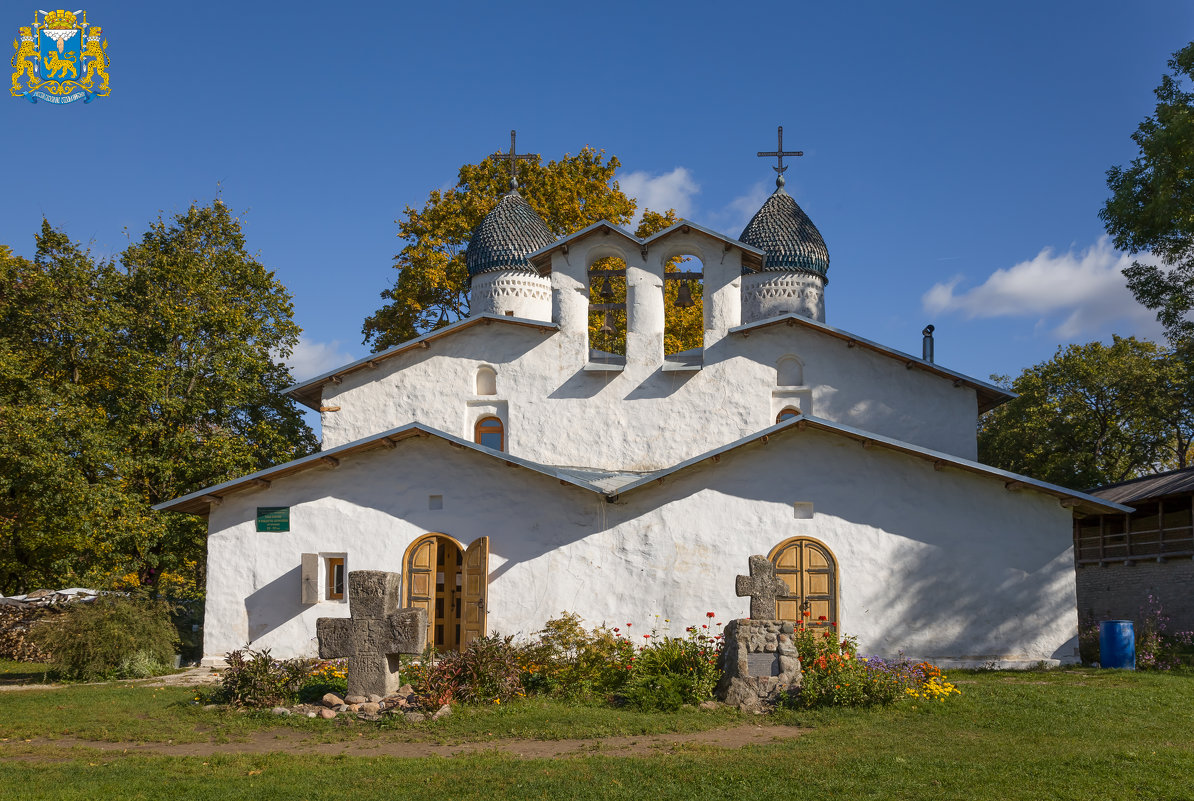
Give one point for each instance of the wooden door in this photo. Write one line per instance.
(420, 580)
(475, 594)
(810, 572)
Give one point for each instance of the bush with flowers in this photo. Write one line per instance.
(834, 674)
(326, 676)
(654, 670)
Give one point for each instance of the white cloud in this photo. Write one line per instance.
(671, 190)
(314, 358)
(1074, 293)
(738, 212)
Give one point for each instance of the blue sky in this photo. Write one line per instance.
(954, 153)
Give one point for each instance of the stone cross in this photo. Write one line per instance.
(375, 635)
(513, 158)
(762, 586)
(780, 153)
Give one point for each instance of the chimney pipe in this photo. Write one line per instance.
(927, 348)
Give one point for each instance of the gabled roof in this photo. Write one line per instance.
(1175, 482)
(309, 392)
(752, 257)
(613, 484)
(989, 395)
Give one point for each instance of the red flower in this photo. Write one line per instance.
(710, 614)
(822, 617)
(807, 613)
(616, 630)
(704, 625)
(646, 636)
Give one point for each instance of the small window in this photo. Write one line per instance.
(486, 381)
(787, 414)
(335, 579)
(490, 433)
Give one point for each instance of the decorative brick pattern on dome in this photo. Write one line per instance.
(505, 237)
(784, 231)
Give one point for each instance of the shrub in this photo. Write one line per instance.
(571, 662)
(254, 678)
(674, 667)
(487, 670)
(111, 637)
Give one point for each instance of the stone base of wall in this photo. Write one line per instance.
(759, 663)
(1118, 591)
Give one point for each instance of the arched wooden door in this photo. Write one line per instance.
(810, 571)
(451, 583)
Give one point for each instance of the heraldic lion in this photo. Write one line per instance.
(97, 59)
(25, 60)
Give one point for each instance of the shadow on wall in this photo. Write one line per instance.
(274, 604)
(966, 586)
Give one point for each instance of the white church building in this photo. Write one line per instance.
(510, 471)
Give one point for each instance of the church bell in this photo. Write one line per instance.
(684, 296)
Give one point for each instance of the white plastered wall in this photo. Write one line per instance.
(643, 418)
(939, 564)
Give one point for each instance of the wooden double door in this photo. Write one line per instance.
(452, 583)
(810, 571)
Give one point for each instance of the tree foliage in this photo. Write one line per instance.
(1151, 208)
(1095, 414)
(124, 384)
(432, 285)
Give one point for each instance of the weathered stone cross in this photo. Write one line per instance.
(762, 586)
(375, 635)
(513, 158)
(780, 153)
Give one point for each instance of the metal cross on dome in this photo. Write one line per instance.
(780, 153)
(513, 158)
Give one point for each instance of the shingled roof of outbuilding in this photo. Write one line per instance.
(789, 238)
(503, 239)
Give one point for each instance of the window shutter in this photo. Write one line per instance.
(310, 574)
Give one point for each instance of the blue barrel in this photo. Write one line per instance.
(1117, 644)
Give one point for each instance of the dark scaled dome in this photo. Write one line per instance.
(504, 238)
(789, 238)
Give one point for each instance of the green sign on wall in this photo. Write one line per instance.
(273, 518)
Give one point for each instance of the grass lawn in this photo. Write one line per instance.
(1077, 734)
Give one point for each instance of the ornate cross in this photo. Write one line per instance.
(513, 158)
(780, 153)
(376, 633)
(762, 586)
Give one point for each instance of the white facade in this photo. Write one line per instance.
(635, 493)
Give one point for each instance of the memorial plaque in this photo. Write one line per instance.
(273, 518)
(762, 664)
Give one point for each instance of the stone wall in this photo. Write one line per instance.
(759, 663)
(1118, 591)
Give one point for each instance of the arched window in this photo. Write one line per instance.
(683, 309)
(810, 571)
(486, 381)
(607, 311)
(787, 414)
(491, 433)
(789, 372)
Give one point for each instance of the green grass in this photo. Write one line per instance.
(1077, 734)
(12, 672)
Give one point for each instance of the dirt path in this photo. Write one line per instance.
(283, 741)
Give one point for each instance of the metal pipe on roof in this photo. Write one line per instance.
(927, 347)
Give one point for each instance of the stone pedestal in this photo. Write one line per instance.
(759, 663)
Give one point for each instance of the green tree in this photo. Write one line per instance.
(59, 491)
(432, 285)
(124, 385)
(1094, 414)
(205, 333)
(1151, 208)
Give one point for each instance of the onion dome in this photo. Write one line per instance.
(504, 238)
(785, 233)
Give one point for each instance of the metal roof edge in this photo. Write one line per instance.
(840, 333)
(707, 232)
(398, 434)
(402, 347)
(803, 421)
